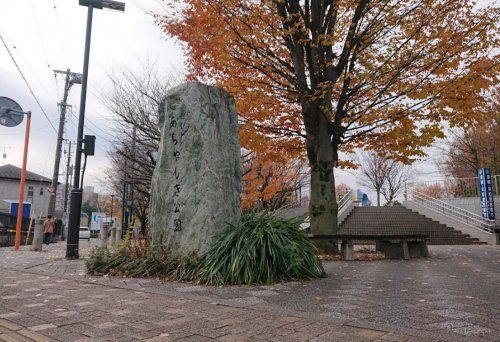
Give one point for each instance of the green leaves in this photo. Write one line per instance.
(262, 250)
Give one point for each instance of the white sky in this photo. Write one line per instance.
(43, 35)
(40, 35)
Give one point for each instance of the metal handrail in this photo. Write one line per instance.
(471, 219)
(294, 204)
(452, 187)
(344, 200)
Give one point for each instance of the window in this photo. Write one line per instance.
(41, 191)
(30, 191)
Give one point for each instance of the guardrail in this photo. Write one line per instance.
(450, 187)
(295, 204)
(345, 200)
(347, 196)
(471, 219)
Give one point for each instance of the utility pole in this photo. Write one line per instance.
(71, 78)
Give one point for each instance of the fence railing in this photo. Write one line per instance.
(345, 200)
(447, 188)
(9, 222)
(469, 218)
(304, 201)
(342, 202)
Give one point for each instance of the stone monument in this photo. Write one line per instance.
(195, 190)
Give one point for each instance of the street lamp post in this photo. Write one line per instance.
(76, 192)
(112, 223)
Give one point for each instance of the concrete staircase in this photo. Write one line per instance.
(400, 220)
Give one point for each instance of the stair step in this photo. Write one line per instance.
(402, 220)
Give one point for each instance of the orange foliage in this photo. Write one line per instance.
(417, 66)
(269, 184)
(341, 189)
(477, 146)
(434, 190)
(388, 76)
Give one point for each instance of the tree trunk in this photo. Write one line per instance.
(323, 207)
(323, 204)
(378, 198)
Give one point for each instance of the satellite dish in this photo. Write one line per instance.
(11, 114)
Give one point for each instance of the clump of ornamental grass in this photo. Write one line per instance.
(261, 249)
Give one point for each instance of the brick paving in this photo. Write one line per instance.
(451, 296)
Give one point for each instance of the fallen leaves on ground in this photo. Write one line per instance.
(358, 256)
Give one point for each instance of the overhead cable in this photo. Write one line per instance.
(27, 84)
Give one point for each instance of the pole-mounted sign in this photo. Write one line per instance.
(11, 115)
(486, 194)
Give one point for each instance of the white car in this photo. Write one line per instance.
(84, 233)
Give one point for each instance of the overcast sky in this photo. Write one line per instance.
(49, 34)
(42, 38)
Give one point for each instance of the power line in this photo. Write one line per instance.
(91, 130)
(39, 31)
(60, 32)
(22, 133)
(88, 121)
(27, 84)
(40, 35)
(20, 55)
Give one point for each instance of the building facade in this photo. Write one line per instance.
(35, 192)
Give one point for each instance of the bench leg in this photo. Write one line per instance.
(425, 249)
(395, 250)
(406, 251)
(347, 249)
(418, 249)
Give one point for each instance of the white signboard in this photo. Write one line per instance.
(96, 220)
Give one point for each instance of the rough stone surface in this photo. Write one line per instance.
(196, 185)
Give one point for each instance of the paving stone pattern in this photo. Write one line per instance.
(451, 296)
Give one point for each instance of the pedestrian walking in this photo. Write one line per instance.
(48, 229)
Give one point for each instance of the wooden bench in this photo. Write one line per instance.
(394, 246)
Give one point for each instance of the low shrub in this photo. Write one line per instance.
(262, 249)
(135, 258)
(98, 260)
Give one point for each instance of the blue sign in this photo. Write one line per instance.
(26, 209)
(486, 193)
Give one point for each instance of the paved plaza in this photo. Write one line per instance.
(451, 296)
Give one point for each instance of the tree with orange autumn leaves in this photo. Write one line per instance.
(270, 184)
(468, 149)
(329, 76)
